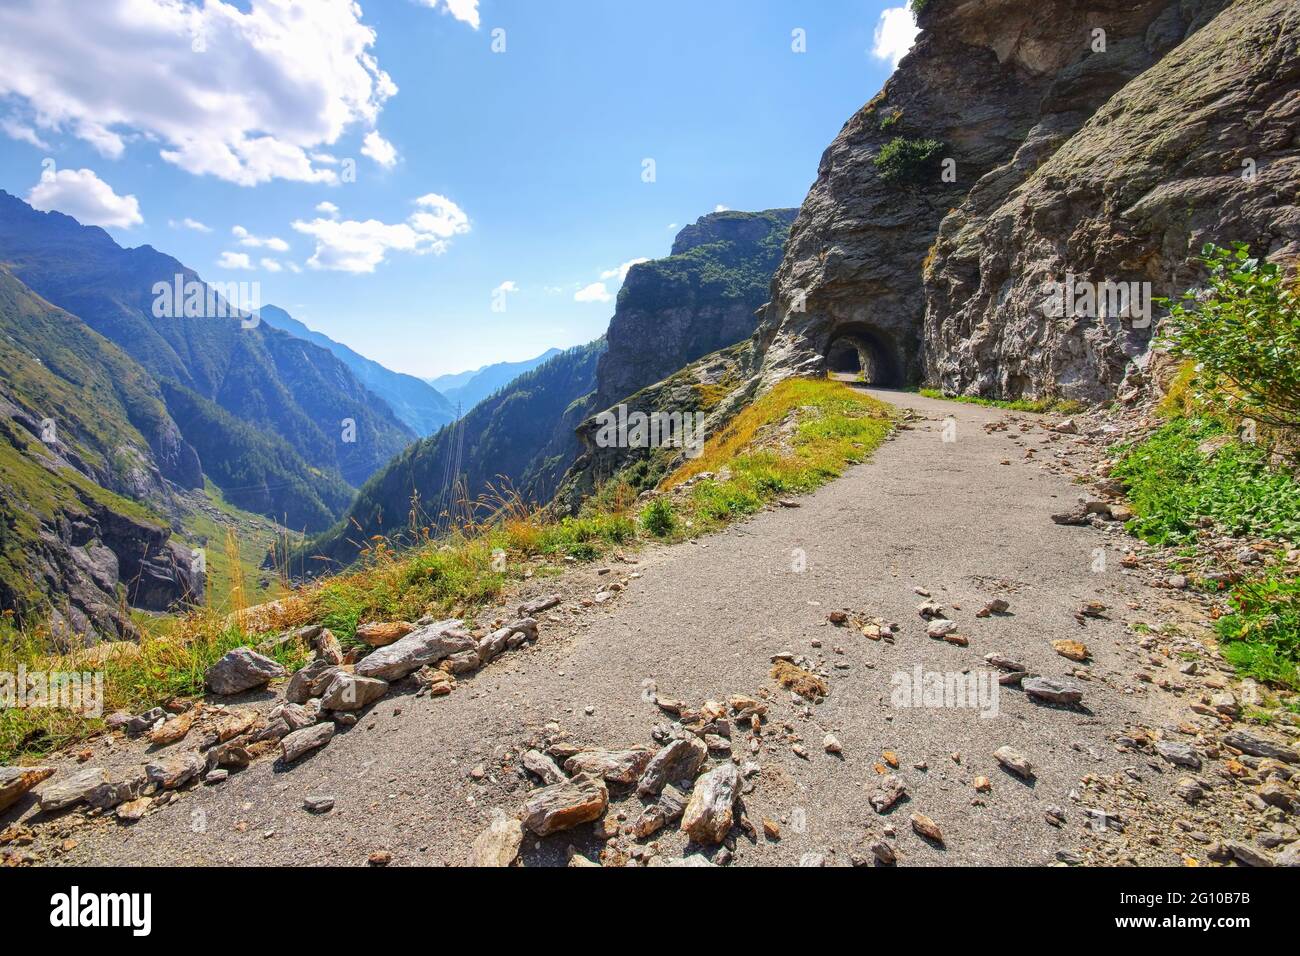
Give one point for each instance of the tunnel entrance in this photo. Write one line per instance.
(860, 353)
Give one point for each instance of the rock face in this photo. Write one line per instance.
(701, 298)
(971, 91)
(1129, 196)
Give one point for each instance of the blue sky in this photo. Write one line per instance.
(481, 177)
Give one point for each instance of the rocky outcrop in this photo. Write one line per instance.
(1202, 147)
(1009, 147)
(699, 299)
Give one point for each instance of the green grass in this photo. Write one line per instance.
(836, 426)
(1172, 486)
(1261, 637)
(1059, 406)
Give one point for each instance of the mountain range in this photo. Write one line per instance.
(467, 389)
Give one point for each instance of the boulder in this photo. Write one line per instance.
(538, 605)
(499, 844)
(615, 766)
(428, 645)
(306, 740)
(711, 810)
(679, 760)
(310, 681)
(888, 791)
(352, 692)
(176, 771)
(1014, 761)
(539, 763)
(242, 669)
(381, 634)
(15, 781)
(71, 790)
(1257, 746)
(563, 806)
(1053, 690)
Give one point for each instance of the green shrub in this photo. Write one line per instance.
(1243, 332)
(1261, 637)
(658, 518)
(1172, 485)
(904, 160)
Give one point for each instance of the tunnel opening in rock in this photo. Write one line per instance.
(863, 354)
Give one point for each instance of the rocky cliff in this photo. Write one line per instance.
(1204, 146)
(1024, 143)
(701, 298)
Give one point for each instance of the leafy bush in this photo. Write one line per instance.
(1262, 634)
(1243, 330)
(1172, 485)
(904, 160)
(658, 518)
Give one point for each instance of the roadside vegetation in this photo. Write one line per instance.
(1061, 406)
(797, 437)
(1224, 460)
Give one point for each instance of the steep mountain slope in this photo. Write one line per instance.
(266, 377)
(522, 437)
(83, 430)
(1202, 147)
(415, 402)
(699, 299)
(256, 471)
(469, 388)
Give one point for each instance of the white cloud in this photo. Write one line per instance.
(895, 33)
(508, 286)
(379, 149)
(271, 265)
(464, 10)
(328, 209)
(621, 271)
(188, 223)
(244, 92)
(246, 238)
(596, 292)
(85, 197)
(353, 246)
(721, 208)
(22, 132)
(234, 260)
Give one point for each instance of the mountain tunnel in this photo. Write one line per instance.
(863, 353)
